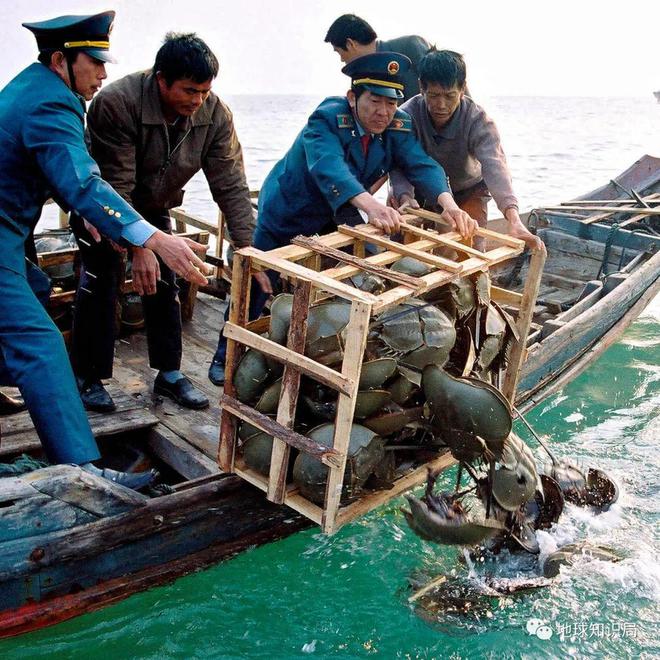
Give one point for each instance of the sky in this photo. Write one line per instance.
(512, 48)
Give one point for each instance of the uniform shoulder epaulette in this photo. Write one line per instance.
(400, 124)
(345, 121)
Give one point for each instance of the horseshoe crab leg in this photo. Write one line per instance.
(541, 442)
(491, 478)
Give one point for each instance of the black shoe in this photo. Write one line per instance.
(95, 397)
(132, 480)
(217, 372)
(183, 392)
(9, 405)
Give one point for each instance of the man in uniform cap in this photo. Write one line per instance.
(347, 145)
(44, 155)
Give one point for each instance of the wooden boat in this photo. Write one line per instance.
(70, 544)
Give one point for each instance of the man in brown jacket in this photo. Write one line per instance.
(150, 132)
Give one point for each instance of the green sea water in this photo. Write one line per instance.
(346, 596)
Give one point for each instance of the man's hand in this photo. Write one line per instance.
(460, 222)
(379, 215)
(178, 254)
(145, 271)
(518, 230)
(263, 281)
(407, 202)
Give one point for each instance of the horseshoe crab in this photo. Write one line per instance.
(568, 554)
(416, 324)
(251, 374)
(367, 403)
(598, 492)
(375, 372)
(365, 452)
(466, 404)
(411, 266)
(257, 451)
(442, 519)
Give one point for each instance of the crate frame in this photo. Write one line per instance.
(300, 263)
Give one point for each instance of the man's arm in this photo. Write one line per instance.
(53, 134)
(484, 143)
(113, 132)
(225, 173)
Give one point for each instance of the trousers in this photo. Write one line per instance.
(33, 358)
(93, 337)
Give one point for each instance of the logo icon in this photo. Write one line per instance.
(539, 628)
(393, 68)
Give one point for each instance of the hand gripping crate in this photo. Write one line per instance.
(300, 264)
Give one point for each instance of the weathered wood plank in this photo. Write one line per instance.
(179, 454)
(286, 410)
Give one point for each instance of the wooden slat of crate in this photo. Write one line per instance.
(360, 263)
(357, 330)
(382, 258)
(238, 316)
(405, 250)
(433, 280)
(286, 409)
(320, 372)
(269, 260)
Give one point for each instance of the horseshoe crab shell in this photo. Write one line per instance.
(402, 389)
(456, 530)
(392, 422)
(365, 452)
(270, 398)
(467, 404)
(250, 376)
(598, 492)
(513, 488)
(568, 554)
(257, 451)
(415, 324)
(411, 266)
(367, 403)
(280, 317)
(375, 372)
(368, 282)
(544, 509)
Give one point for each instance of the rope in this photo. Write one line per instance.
(21, 465)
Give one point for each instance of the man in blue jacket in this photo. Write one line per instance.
(349, 143)
(44, 155)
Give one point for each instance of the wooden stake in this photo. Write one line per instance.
(527, 303)
(286, 410)
(238, 314)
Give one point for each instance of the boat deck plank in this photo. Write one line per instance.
(131, 388)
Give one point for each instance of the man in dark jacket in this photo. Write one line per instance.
(351, 37)
(44, 155)
(150, 132)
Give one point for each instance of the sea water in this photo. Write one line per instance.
(347, 595)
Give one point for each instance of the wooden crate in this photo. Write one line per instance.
(300, 263)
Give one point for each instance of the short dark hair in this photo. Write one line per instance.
(45, 56)
(185, 56)
(444, 67)
(350, 26)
